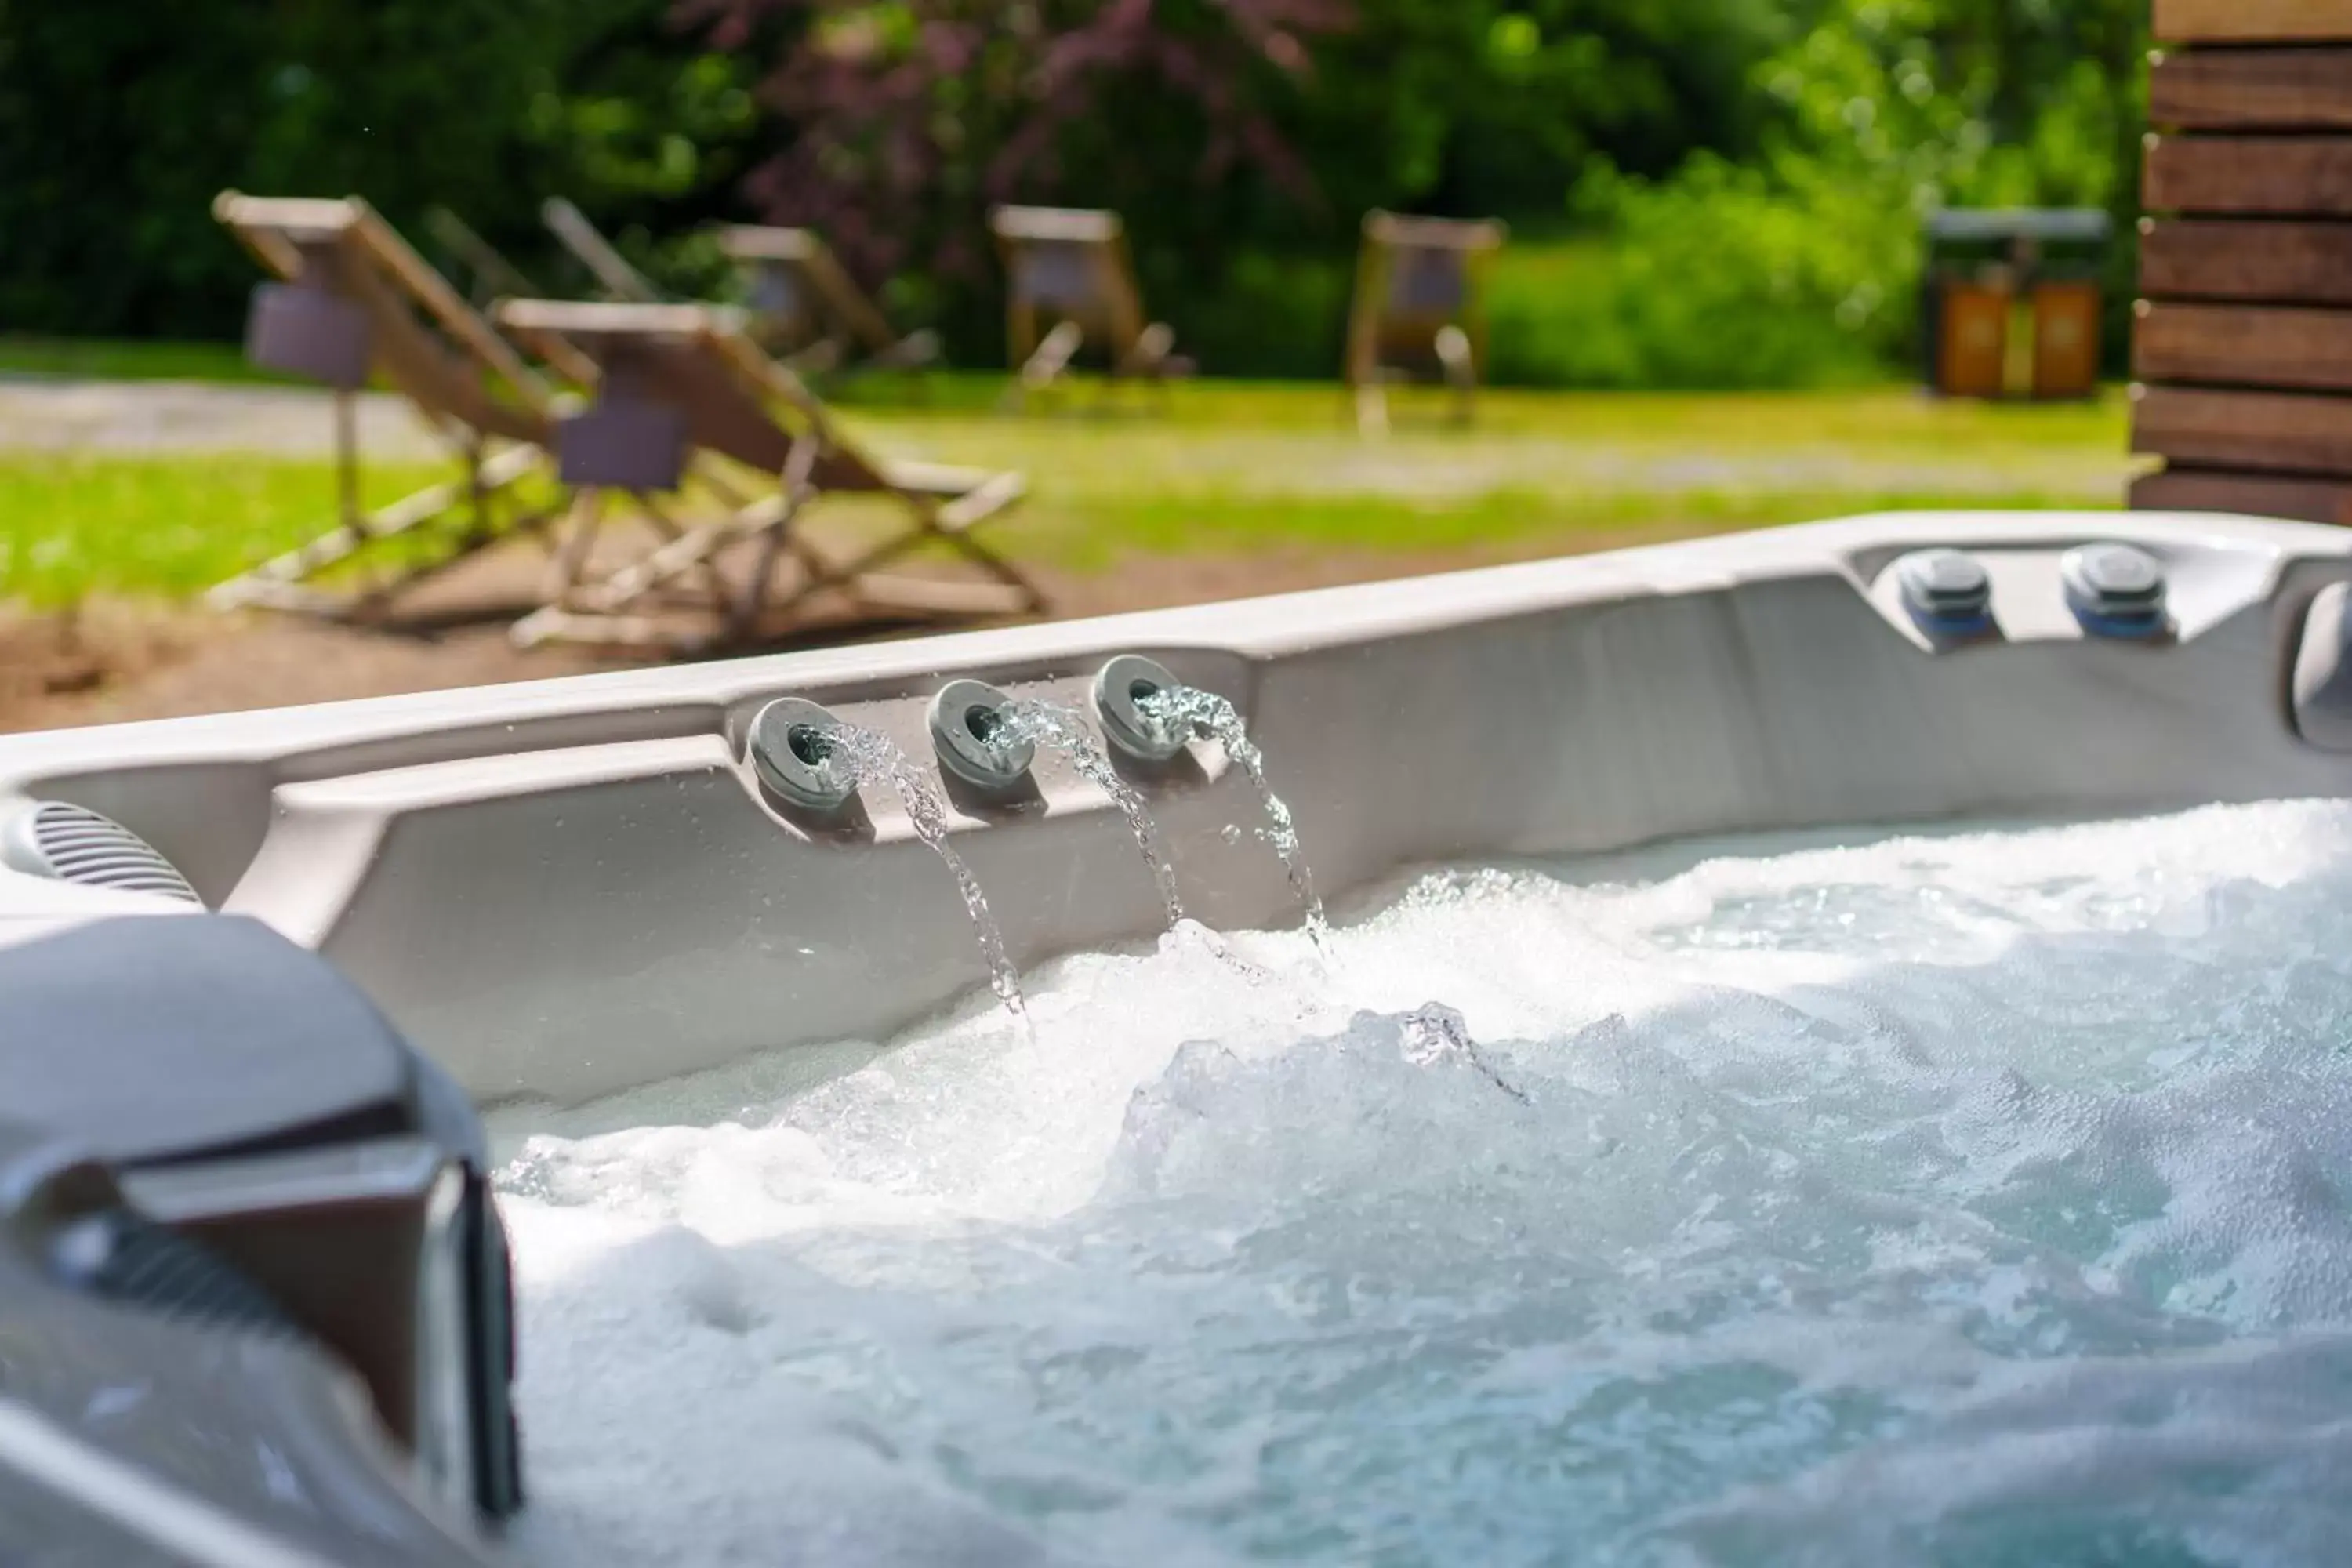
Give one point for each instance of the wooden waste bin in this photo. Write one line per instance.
(1972, 359)
(2065, 338)
(2014, 302)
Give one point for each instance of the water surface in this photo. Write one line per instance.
(1963, 1198)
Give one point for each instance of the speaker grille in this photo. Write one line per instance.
(125, 1259)
(74, 844)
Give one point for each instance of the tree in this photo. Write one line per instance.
(1241, 139)
(904, 118)
(119, 124)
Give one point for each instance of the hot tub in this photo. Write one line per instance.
(589, 905)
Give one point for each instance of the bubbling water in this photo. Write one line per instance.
(1976, 1199)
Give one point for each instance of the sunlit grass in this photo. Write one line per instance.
(167, 526)
(1502, 522)
(1876, 422)
(1224, 469)
(1230, 469)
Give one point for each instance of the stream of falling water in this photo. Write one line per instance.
(1047, 725)
(1190, 707)
(872, 755)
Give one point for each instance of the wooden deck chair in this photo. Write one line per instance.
(488, 276)
(355, 299)
(619, 280)
(682, 380)
(1071, 268)
(1418, 285)
(807, 309)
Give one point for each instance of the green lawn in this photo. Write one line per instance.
(1234, 467)
(1227, 468)
(100, 359)
(162, 526)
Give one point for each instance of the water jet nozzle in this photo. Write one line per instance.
(2115, 589)
(969, 731)
(791, 749)
(1123, 692)
(1948, 592)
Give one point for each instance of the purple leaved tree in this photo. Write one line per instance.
(905, 118)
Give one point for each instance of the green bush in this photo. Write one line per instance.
(1650, 308)
(1800, 264)
(1277, 315)
(119, 124)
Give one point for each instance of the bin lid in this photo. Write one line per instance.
(1961, 225)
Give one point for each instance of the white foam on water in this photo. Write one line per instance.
(1965, 1198)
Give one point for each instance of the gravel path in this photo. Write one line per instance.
(291, 421)
(46, 415)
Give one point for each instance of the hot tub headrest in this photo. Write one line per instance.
(270, 1143)
(148, 1041)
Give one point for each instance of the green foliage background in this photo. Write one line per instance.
(118, 122)
(1703, 192)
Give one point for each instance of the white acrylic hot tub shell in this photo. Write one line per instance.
(566, 887)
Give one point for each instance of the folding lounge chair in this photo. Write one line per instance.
(807, 308)
(488, 275)
(620, 282)
(683, 380)
(1418, 282)
(356, 297)
(1072, 268)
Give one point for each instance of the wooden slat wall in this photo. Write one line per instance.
(2261, 495)
(2243, 337)
(2253, 21)
(2189, 258)
(2252, 89)
(2294, 433)
(2261, 176)
(2243, 345)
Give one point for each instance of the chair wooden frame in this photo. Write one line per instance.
(1454, 254)
(1072, 266)
(831, 324)
(620, 282)
(490, 276)
(493, 412)
(694, 363)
